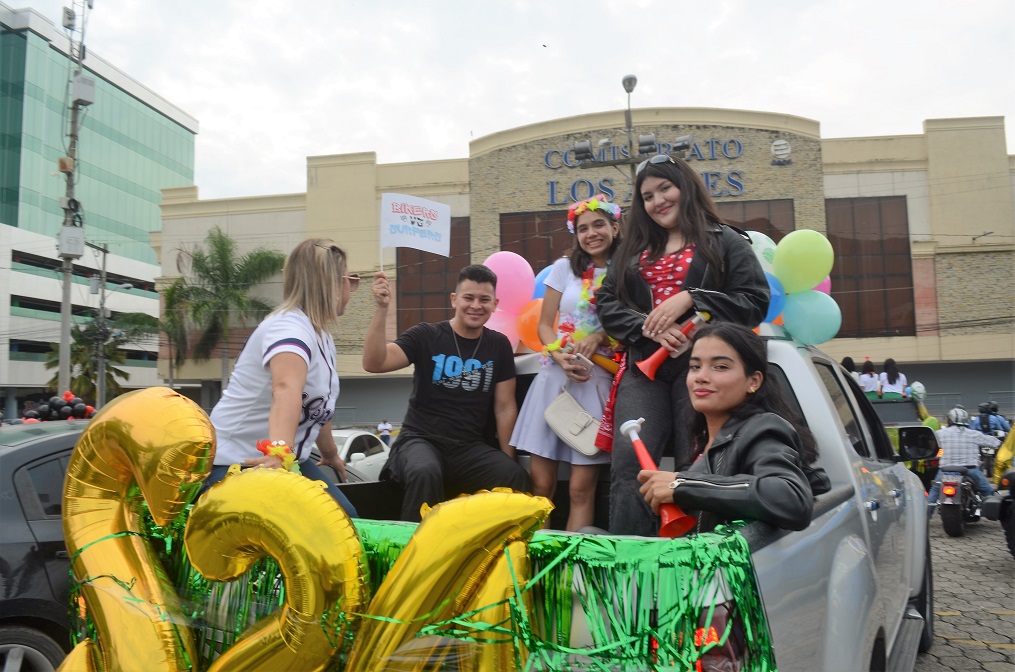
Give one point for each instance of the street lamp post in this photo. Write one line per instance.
(629, 82)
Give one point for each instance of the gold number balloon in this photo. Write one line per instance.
(261, 512)
(163, 443)
(438, 574)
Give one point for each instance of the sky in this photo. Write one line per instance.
(274, 82)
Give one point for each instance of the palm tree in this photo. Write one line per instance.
(219, 289)
(174, 324)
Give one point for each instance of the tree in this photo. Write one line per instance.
(174, 324)
(84, 362)
(219, 286)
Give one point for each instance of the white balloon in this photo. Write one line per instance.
(764, 249)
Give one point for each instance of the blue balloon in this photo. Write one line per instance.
(778, 300)
(811, 317)
(541, 277)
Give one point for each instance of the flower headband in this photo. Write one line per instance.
(597, 202)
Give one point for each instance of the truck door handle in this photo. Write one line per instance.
(872, 505)
(62, 554)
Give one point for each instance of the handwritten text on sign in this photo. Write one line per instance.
(408, 221)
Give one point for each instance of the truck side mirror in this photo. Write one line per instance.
(917, 443)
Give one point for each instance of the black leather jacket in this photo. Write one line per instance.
(743, 296)
(753, 471)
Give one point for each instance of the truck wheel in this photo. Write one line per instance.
(1009, 531)
(924, 602)
(953, 519)
(28, 650)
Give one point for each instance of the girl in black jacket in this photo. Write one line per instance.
(752, 455)
(676, 259)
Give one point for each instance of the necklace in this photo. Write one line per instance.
(454, 335)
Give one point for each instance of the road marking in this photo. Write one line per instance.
(947, 613)
(975, 642)
(1007, 612)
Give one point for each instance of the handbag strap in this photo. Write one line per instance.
(563, 388)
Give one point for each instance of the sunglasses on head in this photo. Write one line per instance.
(353, 279)
(658, 158)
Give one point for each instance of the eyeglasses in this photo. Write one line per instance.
(353, 279)
(658, 158)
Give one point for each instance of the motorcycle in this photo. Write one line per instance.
(959, 501)
(1000, 507)
(987, 454)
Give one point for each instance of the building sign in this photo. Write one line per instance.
(718, 182)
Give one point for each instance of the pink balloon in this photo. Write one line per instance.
(506, 323)
(515, 280)
(825, 286)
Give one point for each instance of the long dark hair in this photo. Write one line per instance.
(847, 363)
(698, 215)
(579, 258)
(891, 370)
(868, 367)
(766, 399)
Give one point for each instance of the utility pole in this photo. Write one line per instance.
(72, 234)
(100, 332)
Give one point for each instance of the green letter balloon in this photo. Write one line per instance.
(802, 259)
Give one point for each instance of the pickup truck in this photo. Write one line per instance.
(898, 413)
(853, 591)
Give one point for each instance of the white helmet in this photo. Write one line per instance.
(958, 416)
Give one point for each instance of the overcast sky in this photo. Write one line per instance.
(274, 82)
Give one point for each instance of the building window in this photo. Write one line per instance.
(773, 218)
(872, 279)
(425, 279)
(539, 237)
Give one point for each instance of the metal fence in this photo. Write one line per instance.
(939, 403)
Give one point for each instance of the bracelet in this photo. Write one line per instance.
(281, 450)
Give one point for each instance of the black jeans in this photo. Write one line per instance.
(664, 405)
(430, 471)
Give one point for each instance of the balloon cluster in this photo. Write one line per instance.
(797, 271)
(517, 314)
(67, 407)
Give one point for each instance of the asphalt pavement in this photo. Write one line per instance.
(974, 601)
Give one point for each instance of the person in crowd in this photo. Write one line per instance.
(989, 421)
(676, 259)
(282, 393)
(570, 290)
(752, 453)
(440, 451)
(892, 381)
(384, 429)
(847, 363)
(869, 381)
(960, 446)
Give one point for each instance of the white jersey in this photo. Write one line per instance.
(899, 387)
(240, 417)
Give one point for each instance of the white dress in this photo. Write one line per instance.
(531, 432)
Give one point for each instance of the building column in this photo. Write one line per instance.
(10, 403)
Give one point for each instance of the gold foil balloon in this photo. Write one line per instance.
(273, 512)
(163, 443)
(496, 647)
(438, 575)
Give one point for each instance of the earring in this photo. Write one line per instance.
(752, 390)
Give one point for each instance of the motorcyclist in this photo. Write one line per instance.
(989, 421)
(960, 446)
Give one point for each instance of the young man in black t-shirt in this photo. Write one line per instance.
(462, 371)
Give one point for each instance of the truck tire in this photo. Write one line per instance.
(37, 651)
(953, 519)
(924, 602)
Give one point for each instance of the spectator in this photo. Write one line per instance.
(384, 429)
(847, 363)
(869, 382)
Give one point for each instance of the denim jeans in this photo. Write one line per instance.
(664, 405)
(978, 478)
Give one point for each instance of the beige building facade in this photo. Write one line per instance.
(923, 226)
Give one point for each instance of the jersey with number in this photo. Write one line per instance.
(240, 417)
(454, 381)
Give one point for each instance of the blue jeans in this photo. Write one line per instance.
(978, 478)
(308, 468)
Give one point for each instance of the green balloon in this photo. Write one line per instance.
(802, 260)
(811, 317)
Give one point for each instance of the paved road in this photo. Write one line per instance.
(974, 601)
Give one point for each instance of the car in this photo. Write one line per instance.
(360, 449)
(34, 625)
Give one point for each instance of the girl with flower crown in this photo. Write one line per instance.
(571, 290)
(677, 259)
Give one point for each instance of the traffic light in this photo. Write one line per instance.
(647, 144)
(583, 150)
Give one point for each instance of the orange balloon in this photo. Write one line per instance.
(528, 324)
